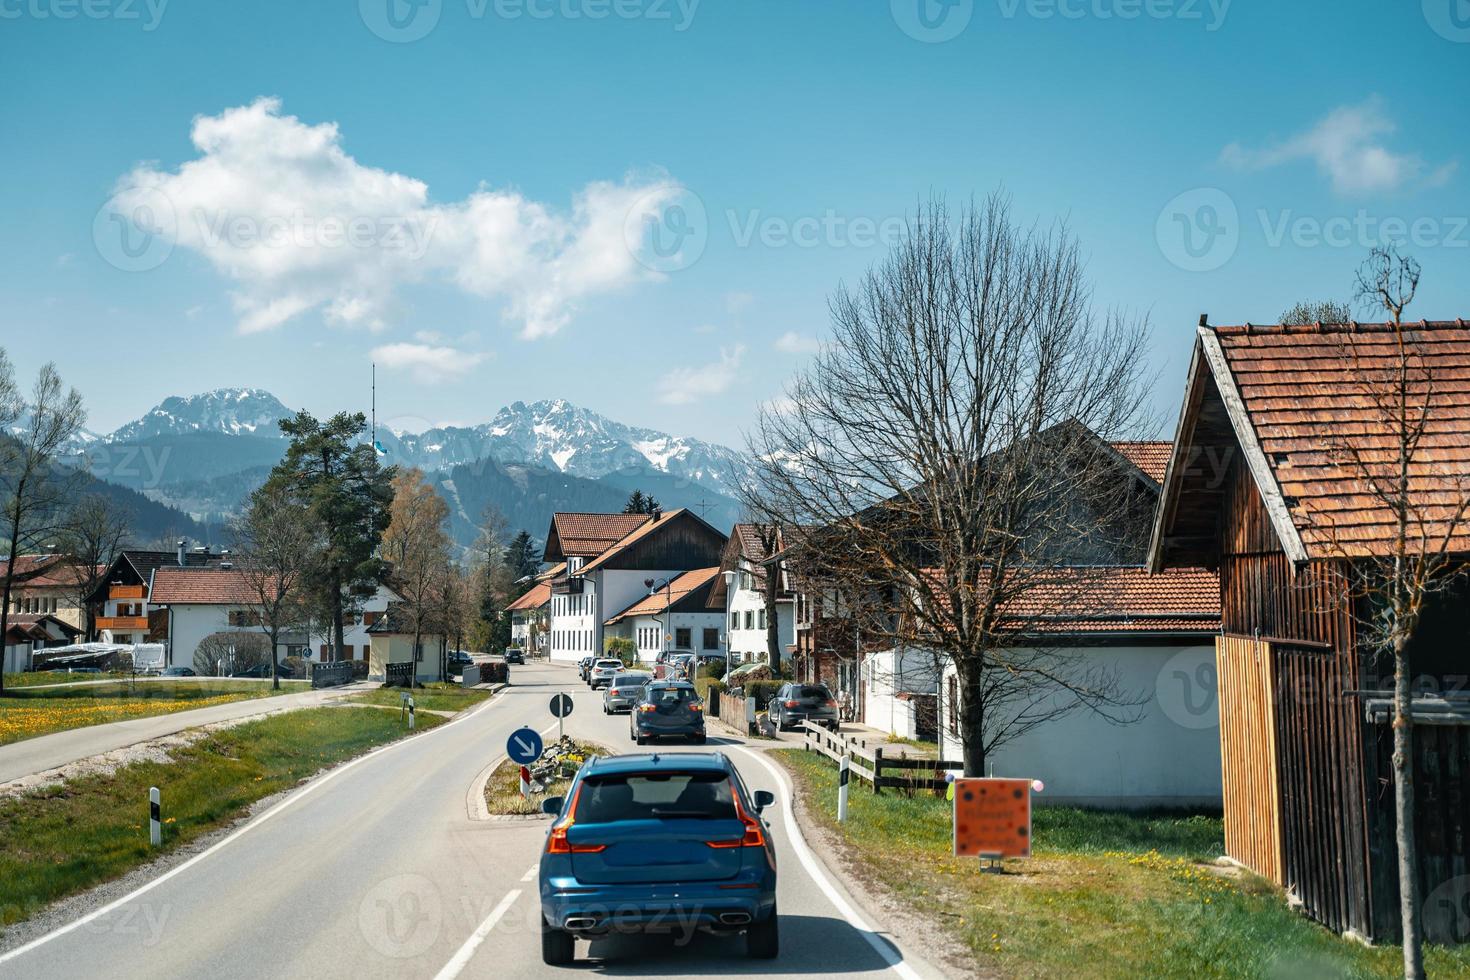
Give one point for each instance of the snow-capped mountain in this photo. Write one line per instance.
(560, 436)
(229, 411)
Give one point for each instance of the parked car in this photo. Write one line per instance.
(178, 672)
(643, 841)
(584, 666)
(668, 709)
(457, 661)
(515, 655)
(602, 672)
(664, 663)
(625, 691)
(795, 703)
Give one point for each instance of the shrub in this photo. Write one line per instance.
(762, 692)
(709, 687)
(622, 648)
(714, 669)
(293, 667)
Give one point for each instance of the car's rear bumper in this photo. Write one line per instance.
(618, 704)
(826, 716)
(680, 908)
(669, 731)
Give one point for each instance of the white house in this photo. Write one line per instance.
(356, 639)
(612, 561)
(202, 601)
(1155, 635)
(124, 610)
(25, 634)
(741, 589)
(677, 615)
(900, 689)
(529, 613)
(392, 642)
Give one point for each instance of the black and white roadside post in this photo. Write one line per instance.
(410, 712)
(155, 822)
(843, 772)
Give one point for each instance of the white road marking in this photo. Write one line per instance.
(532, 873)
(461, 959)
(296, 797)
(814, 870)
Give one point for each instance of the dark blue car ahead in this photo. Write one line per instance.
(658, 843)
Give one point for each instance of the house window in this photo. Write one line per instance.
(749, 619)
(763, 617)
(734, 620)
(711, 638)
(682, 638)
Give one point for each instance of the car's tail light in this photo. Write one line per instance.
(754, 835)
(556, 841)
(696, 707)
(645, 708)
(793, 704)
(831, 703)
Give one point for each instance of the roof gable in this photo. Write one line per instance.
(654, 544)
(689, 592)
(580, 535)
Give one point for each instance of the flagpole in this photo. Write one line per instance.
(375, 406)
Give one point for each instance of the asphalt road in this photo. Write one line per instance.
(381, 869)
(45, 752)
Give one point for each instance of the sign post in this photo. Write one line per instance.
(525, 783)
(992, 819)
(561, 706)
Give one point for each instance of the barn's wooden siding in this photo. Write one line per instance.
(1248, 768)
(1319, 803)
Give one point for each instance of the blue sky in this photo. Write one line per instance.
(494, 176)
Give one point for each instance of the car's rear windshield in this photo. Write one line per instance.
(656, 796)
(609, 663)
(813, 691)
(671, 695)
(630, 680)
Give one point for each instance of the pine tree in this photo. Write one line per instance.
(641, 503)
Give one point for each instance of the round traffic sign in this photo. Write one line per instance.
(561, 706)
(524, 746)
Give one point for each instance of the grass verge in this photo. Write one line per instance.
(431, 697)
(1105, 894)
(503, 789)
(29, 713)
(33, 678)
(70, 837)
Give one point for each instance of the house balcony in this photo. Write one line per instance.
(127, 592)
(123, 624)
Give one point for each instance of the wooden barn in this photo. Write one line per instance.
(1258, 488)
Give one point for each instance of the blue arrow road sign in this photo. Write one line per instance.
(524, 747)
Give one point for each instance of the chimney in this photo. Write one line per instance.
(183, 543)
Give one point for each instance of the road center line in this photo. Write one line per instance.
(809, 861)
(461, 959)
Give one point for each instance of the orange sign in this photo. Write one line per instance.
(992, 817)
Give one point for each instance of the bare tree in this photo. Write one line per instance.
(280, 543)
(225, 653)
(418, 546)
(96, 531)
(947, 459)
(1326, 311)
(1389, 456)
(33, 489)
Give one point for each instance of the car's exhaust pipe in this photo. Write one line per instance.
(734, 918)
(580, 922)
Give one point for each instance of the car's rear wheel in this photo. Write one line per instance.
(697, 739)
(762, 939)
(558, 947)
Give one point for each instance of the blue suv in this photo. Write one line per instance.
(658, 844)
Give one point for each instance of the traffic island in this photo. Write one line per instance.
(503, 796)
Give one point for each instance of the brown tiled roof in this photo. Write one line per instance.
(679, 589)
(1119, 599)
(200, 586)
(536, 597)
(586, 535)
(55, 571)
(637, 535)
(1152, 457)
(1312, 394)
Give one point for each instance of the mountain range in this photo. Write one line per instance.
(204, 453)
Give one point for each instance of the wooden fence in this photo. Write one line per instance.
(868, 762)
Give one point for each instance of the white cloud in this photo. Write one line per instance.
(792, 342)
(278, 207)
(780, 405)
(427, 364)
(1348, 147)
(686, 385)
(428, 336)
